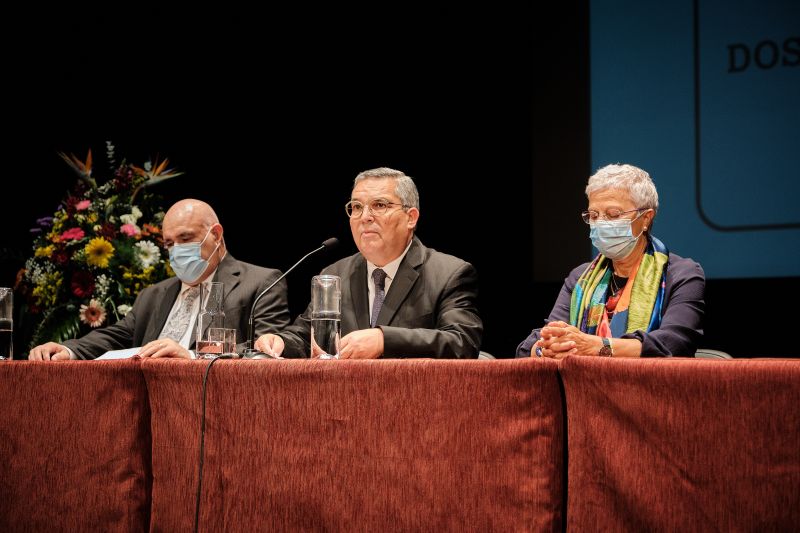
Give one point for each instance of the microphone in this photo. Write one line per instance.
(251, 352)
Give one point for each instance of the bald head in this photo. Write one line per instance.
(191, 211)
(189, 221)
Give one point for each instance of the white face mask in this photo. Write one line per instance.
(187, 259)
(614, 238)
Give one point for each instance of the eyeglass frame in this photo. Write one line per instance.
(586, 214)
(348, 207)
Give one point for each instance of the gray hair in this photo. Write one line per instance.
(405, 188)
(628, 178)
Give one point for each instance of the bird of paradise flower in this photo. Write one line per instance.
(91, 258)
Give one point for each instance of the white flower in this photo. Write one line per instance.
(93, 314)
(132, 217)
(124, 309)
(34, 272)
(101, 286)
(147, 252)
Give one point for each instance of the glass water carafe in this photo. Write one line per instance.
(211, 315)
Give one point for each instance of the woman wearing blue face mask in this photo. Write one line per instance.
(635, 298)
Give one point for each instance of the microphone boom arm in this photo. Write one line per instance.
(249, 349)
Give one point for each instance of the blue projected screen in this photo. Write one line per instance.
(705, 96)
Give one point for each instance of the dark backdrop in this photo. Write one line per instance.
(488, 111)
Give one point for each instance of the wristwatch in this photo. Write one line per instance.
(607, 350)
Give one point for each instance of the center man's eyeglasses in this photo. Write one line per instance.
(376, 207)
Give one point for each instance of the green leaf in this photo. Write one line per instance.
(58, 324)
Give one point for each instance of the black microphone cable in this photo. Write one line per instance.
(203, 441)
(328, 243)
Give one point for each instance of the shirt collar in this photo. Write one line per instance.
(392, 266)
(205, 283)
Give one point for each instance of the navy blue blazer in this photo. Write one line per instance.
(681, 315)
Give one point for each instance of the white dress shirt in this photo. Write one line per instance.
(391, 271)
(186, 340)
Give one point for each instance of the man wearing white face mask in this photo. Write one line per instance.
(635, 299)
(162, 319)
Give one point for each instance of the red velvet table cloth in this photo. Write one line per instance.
(401, 445)
(74, 447)
(358, 445)
(682, 445)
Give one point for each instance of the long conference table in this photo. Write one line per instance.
(401, 445)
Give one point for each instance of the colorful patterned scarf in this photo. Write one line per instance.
(639, 306)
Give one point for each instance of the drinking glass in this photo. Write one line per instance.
(326, 316)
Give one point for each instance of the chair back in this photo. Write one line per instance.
(707, 353)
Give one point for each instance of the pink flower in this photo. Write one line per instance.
(93, 314)
(129, 229)
(83, 205)
(73, 234)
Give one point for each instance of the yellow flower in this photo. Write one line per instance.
(46, 292)
(98, 252)
(43, 296)
(46, 251)
(83, 269)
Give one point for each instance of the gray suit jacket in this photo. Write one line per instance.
(429, 310)
(243, 282)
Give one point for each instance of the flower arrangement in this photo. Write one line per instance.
(102, 246)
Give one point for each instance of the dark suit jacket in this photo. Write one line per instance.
(681, 315)
(243, 282)
(429, 310)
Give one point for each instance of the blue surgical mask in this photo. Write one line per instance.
(614, 238)
(187, 260)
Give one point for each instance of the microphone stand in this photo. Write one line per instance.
(250, 351)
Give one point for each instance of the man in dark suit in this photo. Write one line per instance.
(162, 320)
(399, 298)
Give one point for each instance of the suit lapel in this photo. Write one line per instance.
(228, 272)
(161, 312)
(358, 293)
(402, 283)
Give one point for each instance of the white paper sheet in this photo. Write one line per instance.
(120, 354)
